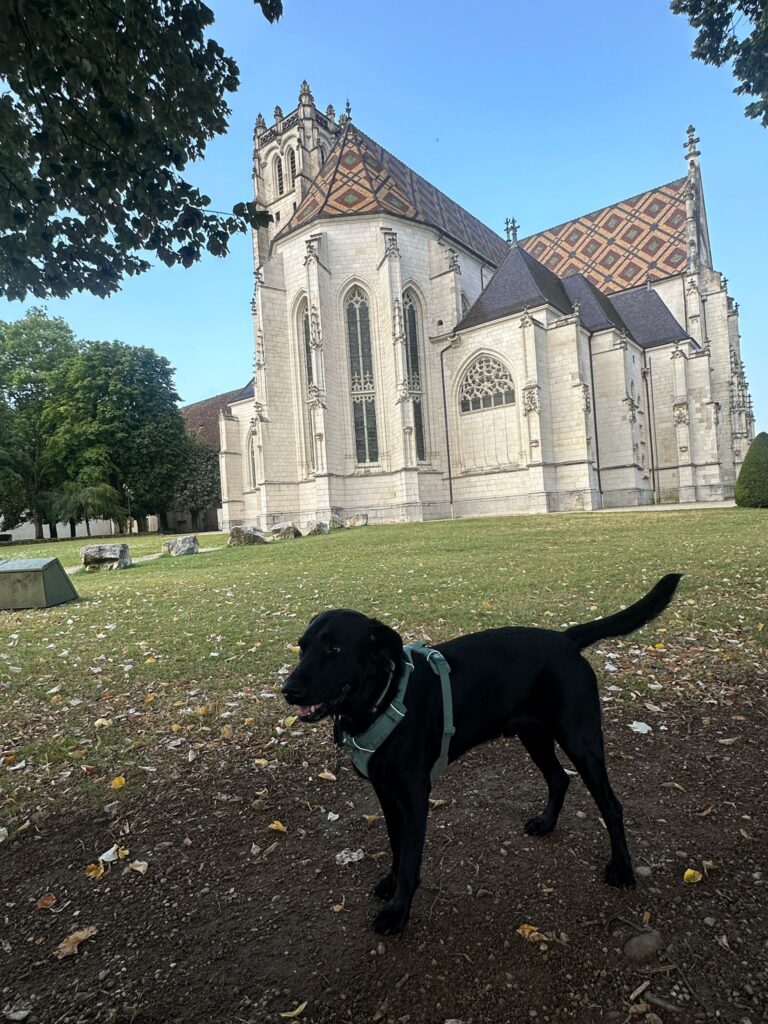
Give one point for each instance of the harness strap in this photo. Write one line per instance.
(441, 667)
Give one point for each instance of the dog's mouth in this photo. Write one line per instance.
(313, 712)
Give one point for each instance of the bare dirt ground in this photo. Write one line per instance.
(237, 923)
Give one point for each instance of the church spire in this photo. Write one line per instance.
(692, 153)
(511, 227)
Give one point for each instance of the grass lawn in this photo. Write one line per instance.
(175, 655)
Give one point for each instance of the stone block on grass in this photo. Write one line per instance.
(243, 536)
(313, 529)
(181, 546)
(105, 556)
(285, 531)
(359, 519)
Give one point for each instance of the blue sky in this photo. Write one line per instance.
(539, 111)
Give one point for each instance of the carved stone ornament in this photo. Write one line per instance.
(680, 413)
(586, 402)
(390, 245)
(315, 397)
(398, 329)
(315, 334)
(531, 399)
(453, 261)
(258, 277)
(312, 255)
(632, 408)
(525, 319)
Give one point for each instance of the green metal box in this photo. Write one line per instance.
(34, 583)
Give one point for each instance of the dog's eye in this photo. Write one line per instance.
(334, 650)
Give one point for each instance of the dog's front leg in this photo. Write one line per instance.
(385, 887)
(412, 808)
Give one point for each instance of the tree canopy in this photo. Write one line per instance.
(737, 31)
(102, 106)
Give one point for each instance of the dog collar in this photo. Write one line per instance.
(360, 748)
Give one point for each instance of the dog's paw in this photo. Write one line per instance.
(540, 825)
(385, 887)
(620, 876)
(391, 920)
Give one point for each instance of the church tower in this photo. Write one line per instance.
(286, 158)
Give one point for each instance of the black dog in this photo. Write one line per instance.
(530, 683)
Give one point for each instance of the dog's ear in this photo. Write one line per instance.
(385, 642)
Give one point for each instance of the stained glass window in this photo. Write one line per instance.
(305, 336)
(413, 370)
(279, 183)
(362, 386)
(486, 385)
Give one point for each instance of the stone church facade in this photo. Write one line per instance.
(411, 364)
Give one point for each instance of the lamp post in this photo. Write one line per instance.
(128, 495)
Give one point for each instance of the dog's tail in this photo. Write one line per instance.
(632, 618)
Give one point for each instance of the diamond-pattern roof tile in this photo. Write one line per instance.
(359, 176)
(619, 246)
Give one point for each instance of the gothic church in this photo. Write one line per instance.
(411, 364)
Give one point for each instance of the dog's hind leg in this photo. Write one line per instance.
(541, 747)
(579, 732)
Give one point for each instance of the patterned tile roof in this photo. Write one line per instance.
(619, 246)
(360, 177)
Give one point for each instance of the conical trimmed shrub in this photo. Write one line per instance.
(752, 485)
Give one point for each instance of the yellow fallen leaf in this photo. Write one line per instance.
(226, 732)
(150, 661)
(294, 648)
(297, 1012)
(203, 709)
(261, 762)
(122, 853)
(149, 698)
(69, 945)
(118, 782)
(103, 723)
(289, 721)
(249, 721)
(691, 876)
(660, 647)
(530, 933)
(95, 870)
(46, 902)
(328, 776)
(371, 818)
(277, 826)
(175, 727)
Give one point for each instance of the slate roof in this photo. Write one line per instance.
(202, 418)
(649, 320)
(521, 282)
(359, 176)
(597, 312)
(618, 246)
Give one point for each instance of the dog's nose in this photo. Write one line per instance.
(293, 691)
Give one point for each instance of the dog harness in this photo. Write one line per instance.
(361, 748)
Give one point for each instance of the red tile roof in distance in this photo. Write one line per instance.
(202, 418)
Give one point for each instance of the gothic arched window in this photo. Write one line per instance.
(487, 383)
(291, 168)
(253, 473)
(362, 385)
(413, 370)
(279, 183)
(305, 339)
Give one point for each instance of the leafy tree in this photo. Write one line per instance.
(752, 484)
(117, 422)
(733, 30)
(33, 351)
(103, 106)
(76, 501)
(199, 485)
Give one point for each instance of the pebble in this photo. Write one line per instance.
(643, 871)
(641, 949)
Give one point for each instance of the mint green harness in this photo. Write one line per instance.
(361, 748)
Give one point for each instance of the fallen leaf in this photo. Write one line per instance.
(371, 818)
(261, 762)
(691, 876)
(729, 741)
(288, 722)
(175, 727)
(118, 782)
(226, 732)
(68, 946)
(139, 866)
(46, 902)
(277, 826)
(530, 933)
(295, 1013)
(705, 812)
(95, 870)
(328, 776)
(103, 723)
(338, 907)
(641, 727)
